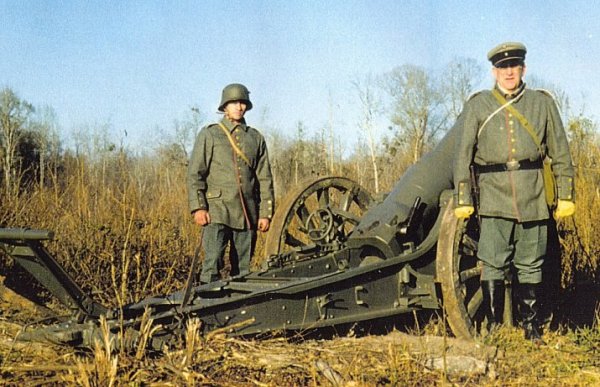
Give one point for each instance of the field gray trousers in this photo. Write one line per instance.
(215, 238)
(505, 241)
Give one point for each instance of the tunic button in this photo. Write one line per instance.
(511, 122)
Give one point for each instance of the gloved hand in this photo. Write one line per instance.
(463, 212)
(564, 208)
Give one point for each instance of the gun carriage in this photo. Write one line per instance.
(334, 256)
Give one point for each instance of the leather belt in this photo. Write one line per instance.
(510, 166)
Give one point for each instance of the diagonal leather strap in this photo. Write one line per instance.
(521, 119)
(237, 176)
(550, 186)
(234, 146)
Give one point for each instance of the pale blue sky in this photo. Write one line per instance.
(138, 65)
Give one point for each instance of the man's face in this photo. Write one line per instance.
(509, 75)
(235, 110)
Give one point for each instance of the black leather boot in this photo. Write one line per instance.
(529, 310)
(493, 302)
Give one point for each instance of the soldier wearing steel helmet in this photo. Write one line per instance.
(230, 186)
(507, 158)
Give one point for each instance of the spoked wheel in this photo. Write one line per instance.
(320, 211)
(458, 271)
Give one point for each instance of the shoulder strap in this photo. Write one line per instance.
(234, 146)
(521, 119)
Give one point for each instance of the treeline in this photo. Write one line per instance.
(121, 216)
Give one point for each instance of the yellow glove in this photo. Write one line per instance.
(564, 208)
(463, 212)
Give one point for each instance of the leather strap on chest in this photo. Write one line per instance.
(550, 186)
(522, 120)
(236, 149)
(239, 152)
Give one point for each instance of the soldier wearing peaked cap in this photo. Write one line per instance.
(230, 186)
(508, 53)
(508, 132)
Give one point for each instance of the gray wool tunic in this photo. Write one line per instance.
(517, 194)
(211, 176)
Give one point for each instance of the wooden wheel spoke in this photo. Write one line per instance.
(468, 274)
(345, 222)
(468, 245)
(474, 303)
(346, 201)
(466, 252)
(292, 241)
(323, 197)
(303, 214)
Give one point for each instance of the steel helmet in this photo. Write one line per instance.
(235, 92)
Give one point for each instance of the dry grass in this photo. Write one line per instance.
(570, 358)
(124, 233)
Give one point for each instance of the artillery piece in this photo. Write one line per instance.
(334, 256)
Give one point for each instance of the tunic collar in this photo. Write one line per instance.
(512, 95)
(231, 126)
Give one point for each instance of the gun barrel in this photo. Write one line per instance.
(25, 234)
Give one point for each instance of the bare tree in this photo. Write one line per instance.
(418, 113)
(47, 138)
(331, 138)
(560, 96)
(280, 157)
(299, 150)
(371, 108)
(459, 80)
(583, 132)
(14, 116)
(174, 145)
(187, 130)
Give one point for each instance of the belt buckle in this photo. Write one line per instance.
(512, 165)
